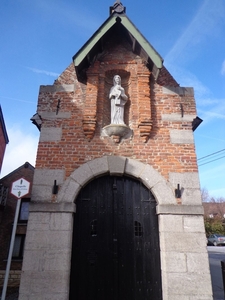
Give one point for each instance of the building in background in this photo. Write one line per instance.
(3, 138)
(7, 212)
(116, 209)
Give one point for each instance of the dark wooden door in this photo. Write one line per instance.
(115, 253)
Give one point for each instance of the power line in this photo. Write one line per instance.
(211, 161)
(211, 154)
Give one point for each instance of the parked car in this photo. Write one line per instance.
(216, 239)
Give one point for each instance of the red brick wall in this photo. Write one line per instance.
(81, 141)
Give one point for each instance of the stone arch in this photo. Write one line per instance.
(119, 166)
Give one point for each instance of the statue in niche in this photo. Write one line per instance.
(118, 100)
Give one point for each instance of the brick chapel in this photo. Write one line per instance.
(116, 210)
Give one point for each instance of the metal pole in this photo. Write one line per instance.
(223, 274)
(11, 250)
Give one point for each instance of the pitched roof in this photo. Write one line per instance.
(121, 25)
(26, 165)
(3, 126)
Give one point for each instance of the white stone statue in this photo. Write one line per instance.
(118, 100)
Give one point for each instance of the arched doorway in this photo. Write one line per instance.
(115, 252)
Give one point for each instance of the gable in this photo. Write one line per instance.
(120, 26)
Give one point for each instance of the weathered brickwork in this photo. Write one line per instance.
(75, 148)
(88, 105)
(13, 280)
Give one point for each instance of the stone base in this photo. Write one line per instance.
(118, 130)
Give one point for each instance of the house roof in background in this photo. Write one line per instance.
(3, 126)
(25, 165)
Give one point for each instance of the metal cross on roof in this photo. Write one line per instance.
(117, 7)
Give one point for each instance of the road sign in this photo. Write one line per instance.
(20, 188)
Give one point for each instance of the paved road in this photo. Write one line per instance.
(216, 254)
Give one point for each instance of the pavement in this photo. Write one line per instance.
(216, 255)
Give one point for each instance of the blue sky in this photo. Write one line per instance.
(39, 38)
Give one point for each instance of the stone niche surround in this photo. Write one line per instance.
(184, 258)
(136, 81)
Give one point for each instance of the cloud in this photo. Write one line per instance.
(223, 68)
(16, 99)
(212, 114)
(209, 107)
(205, 22)
(188, 79)
(48, 73)
(22, 147)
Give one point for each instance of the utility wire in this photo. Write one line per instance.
(211, 154)
(211, 161)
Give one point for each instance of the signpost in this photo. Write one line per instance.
(20, 188)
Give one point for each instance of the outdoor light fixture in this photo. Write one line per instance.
(55, 188)
(178, 191)
(37, 121)
(196, 122)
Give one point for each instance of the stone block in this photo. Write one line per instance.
(99, 166)
(83, 174)
(171, 223)
(176, 297)
(174, 262)
(200, 297)
(68, 191)
(163, 193)
(50, 282)
(41, 193)
(47, 176)
(191, 197)
(38, 221)
(181, 136)
(134, 167)
(189, 283)
(186, 180)
(46, 296)
(61, 221)
(53, 207)
(178, 90)
(116, 165)
(179, 209)
(56, 88)
(31, 264)
(151, 177)
(194, 224)
(178, 118)
(50, 115)
(26, 297)
(50, 134)
(198, 262)
(182, 242)
(47, 260)
(48, 240)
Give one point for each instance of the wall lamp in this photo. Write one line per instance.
(178, 191)
(55, 188)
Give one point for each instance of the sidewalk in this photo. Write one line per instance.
(216, 254)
